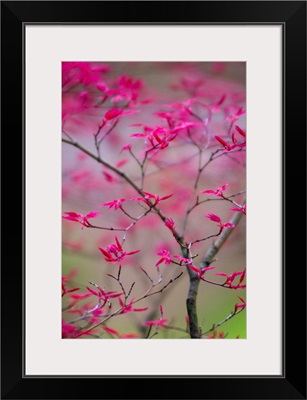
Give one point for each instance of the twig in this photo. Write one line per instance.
(215, 246)
(222, 322)
(126, 178)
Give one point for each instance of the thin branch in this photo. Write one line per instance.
(164, 287)
(105, 228)
(206, 238)
(216, 245)
(130, 290)
(148, 276)
(200, 170)
(66, 134)
(126, 178)
(193, 192)
(147, 294)
(108, 132)
(222, 322)
(197, 203)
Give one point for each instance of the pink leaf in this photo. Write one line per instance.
(121, 163)
(118, 244)
(92, 215)
(129, 253)
(219, 139)
(92, 291)
(105, 253)
(113, 113)
(242, 133)
(129, 336)
(111, 331)
(213, 217)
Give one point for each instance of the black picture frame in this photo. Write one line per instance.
(292, 16)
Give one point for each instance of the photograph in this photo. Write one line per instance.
(129, 122)
(154, 200)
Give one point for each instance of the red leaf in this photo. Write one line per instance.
(92, 291)
(113, 113)
(219, 139)
(110, 331)
(118, 244)
(242, 133)
(105, 253)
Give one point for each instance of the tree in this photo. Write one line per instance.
(166, 170)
